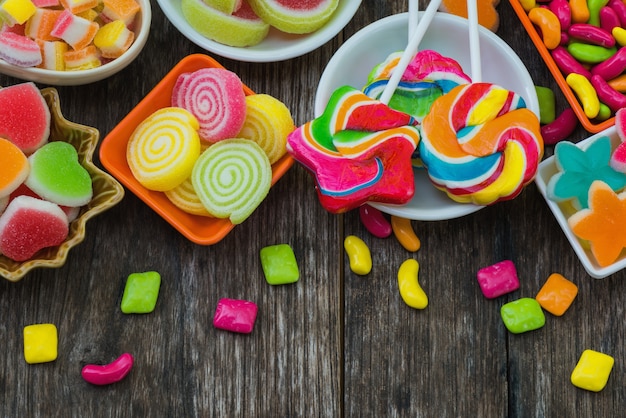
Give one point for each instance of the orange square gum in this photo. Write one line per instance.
(557, 294)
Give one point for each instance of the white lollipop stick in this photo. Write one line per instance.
(472, 17)
(413, 16)
(410, 50)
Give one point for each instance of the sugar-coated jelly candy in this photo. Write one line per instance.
(522, 315)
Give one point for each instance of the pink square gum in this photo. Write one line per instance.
(235, 315)
(498, 279)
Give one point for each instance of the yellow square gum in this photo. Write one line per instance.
(592, 371)
(40, 343)
(16, 11)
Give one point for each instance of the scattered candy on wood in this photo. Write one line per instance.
(592, 370)
(141, 292)
(498, 279)
(404, 233)
(358, 254)
(408, 283)
(40, 343)
(522, 315)
(235, 315)
(279, 264)
(107, 374)
(557, 294)
(374, 221)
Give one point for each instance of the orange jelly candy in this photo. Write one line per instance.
(603, 224)
(557, 294)
(14, 167)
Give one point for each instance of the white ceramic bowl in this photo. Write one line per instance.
(448, 35)
(562, 212)
(75, 78)
(277, 46)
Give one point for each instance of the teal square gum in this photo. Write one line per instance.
(141, 292)
(279, 264)
(522, 315)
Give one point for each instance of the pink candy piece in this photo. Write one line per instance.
(374, 221)
(567, 63)
(560, 128)
(618, 158)
(106, 374)
(498, 279)
(28, 225)
(235, 315)
(611, 67)
(608, 19)
(620, 124)
(24, 116)
(216, 98)
(607, 94)
(19, 50)
(75, 30)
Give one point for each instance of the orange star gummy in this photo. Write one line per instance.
(603, 224)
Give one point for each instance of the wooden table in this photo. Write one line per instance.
(332, 345)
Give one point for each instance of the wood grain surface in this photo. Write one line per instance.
(334, 344)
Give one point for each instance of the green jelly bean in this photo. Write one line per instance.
(547, 104)
(141, 292)
(279, 264)
(605, 112)
(594, 11)
(592, 54)
(522, 315)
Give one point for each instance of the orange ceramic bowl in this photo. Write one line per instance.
(593, 126)
(198, 229)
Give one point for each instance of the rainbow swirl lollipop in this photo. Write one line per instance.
(480, 144)
(359, 150)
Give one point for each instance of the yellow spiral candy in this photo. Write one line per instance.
(268, 122)
(231, 178)
(185, 198)
(163, 149)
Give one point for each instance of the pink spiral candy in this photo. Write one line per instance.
(216, 98)
(480, 144)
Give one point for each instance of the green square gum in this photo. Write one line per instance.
(279, 264)
(141, 292)
(522, 315)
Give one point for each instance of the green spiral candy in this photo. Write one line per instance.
(231, 178)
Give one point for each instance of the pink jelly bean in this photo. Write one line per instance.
(235, 315)
(619, 8)
(498, 279)
(107, 374)
(607, 94)
(567, 63)
(608, 19)
(612, 67)
(560, 128)
(374, 221)
(591, 34)
(562, 11)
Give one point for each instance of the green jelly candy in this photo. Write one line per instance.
(522, 315)
(547, 104)
(141, 292)
(279, 264)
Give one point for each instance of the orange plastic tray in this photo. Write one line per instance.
(199, 229)
(590, 125)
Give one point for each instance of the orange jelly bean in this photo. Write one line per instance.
(557, 294)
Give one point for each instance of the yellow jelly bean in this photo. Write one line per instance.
(410, 289)
(619, 34)
(359, 255)
(548, 24)
(586, 94)
(403, 231)
(527, 5)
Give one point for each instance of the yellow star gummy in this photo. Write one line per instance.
(603, 224)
